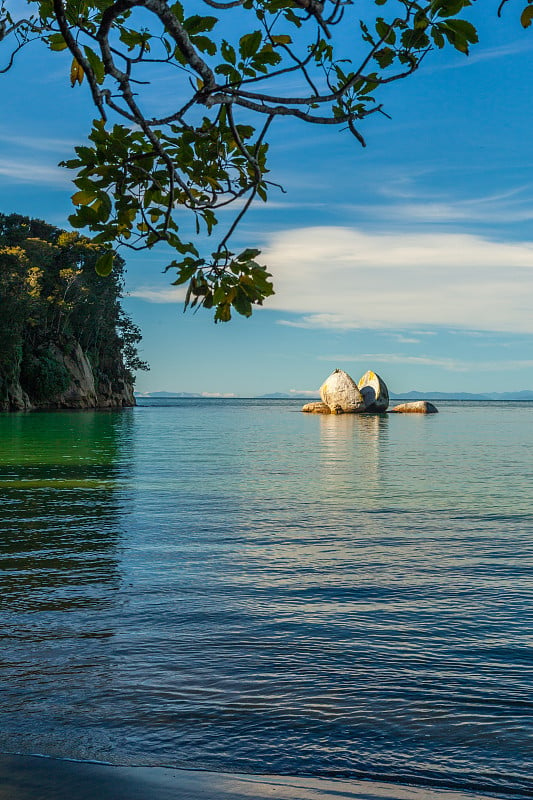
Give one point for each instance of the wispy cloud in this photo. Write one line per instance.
(449, 364)
(343, 278)
(154, 294)
(479, 55)
(43, 143)
(413, 205)
(397, 358)
(402, 339)
(26, 171)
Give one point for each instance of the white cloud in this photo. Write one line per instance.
(38, 142)
(413, 206)
(397, 358)
(155, 294)
(401, 339)
(24, 171)
(479, 55)
(343, 278)
(450, 364)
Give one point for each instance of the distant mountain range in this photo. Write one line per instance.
(524, 395)
(164, 395)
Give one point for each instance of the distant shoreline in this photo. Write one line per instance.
(516, 397)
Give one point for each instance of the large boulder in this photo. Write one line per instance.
(316, 408)
(417, 407)
(341, 394)
(374, 391)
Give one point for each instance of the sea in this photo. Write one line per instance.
(235, 586)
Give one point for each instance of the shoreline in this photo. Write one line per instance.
(44, 778)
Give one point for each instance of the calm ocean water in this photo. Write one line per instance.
(233, 585)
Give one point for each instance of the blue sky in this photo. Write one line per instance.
(412, 257)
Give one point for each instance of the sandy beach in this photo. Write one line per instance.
(37, 778)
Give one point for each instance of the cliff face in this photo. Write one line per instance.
(65, 341)
(83, 389)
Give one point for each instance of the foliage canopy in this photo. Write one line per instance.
(51, 297)
(234, 70)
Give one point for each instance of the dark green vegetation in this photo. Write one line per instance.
(234, 70)
(64, 339)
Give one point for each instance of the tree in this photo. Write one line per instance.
(51, 296)
(138, 173)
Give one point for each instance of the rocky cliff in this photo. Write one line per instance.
(82, 386)
(65, 340)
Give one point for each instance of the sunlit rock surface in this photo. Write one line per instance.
(418, 407)
(374, 391)
(316, 408)
(341, 394)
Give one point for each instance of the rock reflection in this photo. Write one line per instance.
(352, 455)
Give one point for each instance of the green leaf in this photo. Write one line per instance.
(241, 303)
(281, 39)
(97, 65)
(449, 8)
(197, 24)
(438, 38)
(205, 44)
(384, 57)
(466, 29)
(177, 10)
(249, 44)
(104, 264)
(185, 273)
(415, 39)
(383, 29)
(83, 198)
(223, 313)
(248, 255)
(228, 53)
(56, 42)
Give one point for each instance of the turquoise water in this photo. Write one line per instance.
(233, 585)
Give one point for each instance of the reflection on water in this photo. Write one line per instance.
(352, 455)
(235, 586)
(59, 570)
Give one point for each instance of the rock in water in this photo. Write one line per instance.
(341, 394)
(374, 391)
(316, 408)
(418, 407)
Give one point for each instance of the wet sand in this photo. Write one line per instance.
(36, 778)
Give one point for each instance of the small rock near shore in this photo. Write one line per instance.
(418, 407)
(316, 408)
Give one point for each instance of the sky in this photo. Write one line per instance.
(412, 257)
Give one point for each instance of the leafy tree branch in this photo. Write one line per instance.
(139, 172)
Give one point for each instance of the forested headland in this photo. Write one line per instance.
(65, 340)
